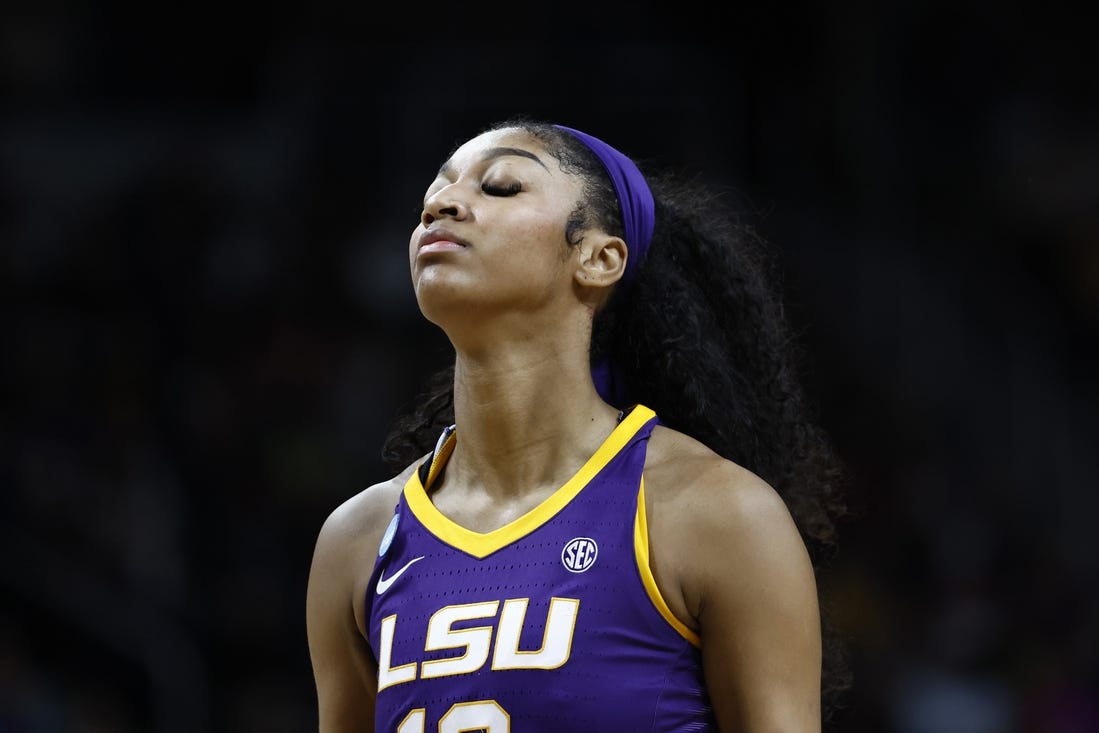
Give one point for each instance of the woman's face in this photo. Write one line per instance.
(491, 238)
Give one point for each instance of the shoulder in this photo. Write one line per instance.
(362, 518)
(713, 520)
(346, 547)
(343, 560)
(682, 472)
(730, 557)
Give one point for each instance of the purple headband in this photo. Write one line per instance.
(634, 198)
(638, 217)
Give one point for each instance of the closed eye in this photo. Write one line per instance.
(507, 189)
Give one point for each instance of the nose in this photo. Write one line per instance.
(444, 203)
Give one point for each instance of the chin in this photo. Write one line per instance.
(442, 302)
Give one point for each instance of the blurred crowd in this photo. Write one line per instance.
(207, 329)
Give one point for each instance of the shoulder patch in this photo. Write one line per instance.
(390, 533)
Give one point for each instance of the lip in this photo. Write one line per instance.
(439, 240)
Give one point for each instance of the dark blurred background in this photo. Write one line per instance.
(208, 325)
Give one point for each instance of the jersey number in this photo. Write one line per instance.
(483, 715)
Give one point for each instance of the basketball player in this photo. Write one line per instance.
(608, 507)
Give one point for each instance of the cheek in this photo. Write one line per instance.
(541, 239)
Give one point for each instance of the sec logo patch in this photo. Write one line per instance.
(579, 554)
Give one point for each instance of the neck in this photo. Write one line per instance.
(528, 417)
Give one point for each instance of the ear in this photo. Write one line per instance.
(601, 260)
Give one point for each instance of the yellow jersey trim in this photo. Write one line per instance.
(481, 545)
(641, 551)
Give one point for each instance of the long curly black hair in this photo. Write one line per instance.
(701, 336)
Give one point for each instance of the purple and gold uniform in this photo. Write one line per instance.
(552, 622)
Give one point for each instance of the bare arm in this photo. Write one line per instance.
(343, 665)
(732, 565)
(757, 613)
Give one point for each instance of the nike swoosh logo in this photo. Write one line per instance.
(384, 583)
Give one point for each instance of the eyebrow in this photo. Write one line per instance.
(492, 153)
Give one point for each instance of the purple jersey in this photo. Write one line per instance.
(552, 622)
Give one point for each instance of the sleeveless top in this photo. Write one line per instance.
(552, 622)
